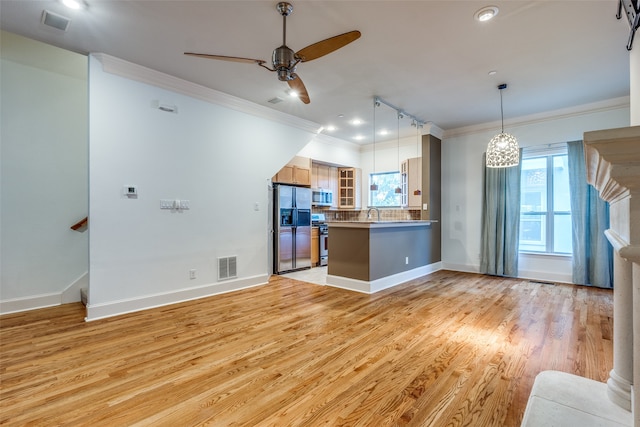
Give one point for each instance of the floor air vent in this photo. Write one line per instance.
(227, 268)
(541, 282)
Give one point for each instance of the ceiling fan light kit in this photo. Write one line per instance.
(503, 150)
(284, 60)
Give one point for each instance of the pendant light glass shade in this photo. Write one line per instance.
(503, 150)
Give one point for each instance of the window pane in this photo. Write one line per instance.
(562, 234)
(533, 197)
(533, 233)
(386, 194)
(561, 195)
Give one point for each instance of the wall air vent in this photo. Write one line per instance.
(54, 20)
(227, 268)
(276, 100)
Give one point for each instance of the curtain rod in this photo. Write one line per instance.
(544, 147)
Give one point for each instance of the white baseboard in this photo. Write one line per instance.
(72, 293)
(522, 274)
(369, 287)
(545, 276)
(29, 303)
(33, 302)
(115, 308)
(461, 267)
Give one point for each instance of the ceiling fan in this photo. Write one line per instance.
(284, 60)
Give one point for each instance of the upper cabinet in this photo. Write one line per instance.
(325, 177)
(411, 175)
(349, 188)
(296, 172)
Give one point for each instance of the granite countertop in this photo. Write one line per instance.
(380, 224)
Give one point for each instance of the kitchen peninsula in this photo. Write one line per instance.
(372, 256)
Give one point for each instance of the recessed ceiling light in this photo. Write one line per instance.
(356, 122)
(383, 132)
(492, 72)
(331, 128)
(358, 137)
(74, 4)
(486, 13)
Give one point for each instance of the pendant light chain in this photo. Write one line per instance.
(373, 186)
(503, 150)
(501, 113)
(398, 189)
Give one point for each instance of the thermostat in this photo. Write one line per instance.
(131, 190)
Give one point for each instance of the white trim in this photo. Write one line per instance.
(370, 287)
(594, 107)
(116, 308)
(545, 276)
(29, 303)
(146, 75)
(72, 292)
(474, 268)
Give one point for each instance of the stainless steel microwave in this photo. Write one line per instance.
(321, 197)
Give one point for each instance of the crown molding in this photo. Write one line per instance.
(579, 110)
(146, 75)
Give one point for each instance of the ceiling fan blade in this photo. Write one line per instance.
(226, 58)
(297, 85)
(327, 46)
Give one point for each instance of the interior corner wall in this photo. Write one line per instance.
(217, 158)
(44, 180)
(462, 179)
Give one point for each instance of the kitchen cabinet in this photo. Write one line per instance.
(411, 175)
(349, 188)
(315, 246)
(296, 172)
(326, 177)
(333, 185)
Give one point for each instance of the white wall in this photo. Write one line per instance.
(218, 158)
(462, 181)
(44, 175)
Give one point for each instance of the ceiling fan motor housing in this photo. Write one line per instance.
(284, 62)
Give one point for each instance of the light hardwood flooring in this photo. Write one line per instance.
(448, 349)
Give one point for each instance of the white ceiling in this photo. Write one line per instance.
(429, 58)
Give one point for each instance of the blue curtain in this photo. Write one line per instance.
(592, 252)
(500, 220)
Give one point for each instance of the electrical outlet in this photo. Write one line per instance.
(192, 274)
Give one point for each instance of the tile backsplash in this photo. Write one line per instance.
(386, 214)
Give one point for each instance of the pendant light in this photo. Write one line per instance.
(374, 186)
(417, 191)
(398, 188)
(503, 151)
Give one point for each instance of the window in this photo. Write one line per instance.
(386, 194)
(545, 208)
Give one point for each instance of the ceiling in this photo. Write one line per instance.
(429, 58)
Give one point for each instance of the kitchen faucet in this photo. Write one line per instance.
(373, 209)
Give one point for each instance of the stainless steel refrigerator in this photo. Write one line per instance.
(292, 227)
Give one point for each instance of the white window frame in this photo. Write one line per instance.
(548, 152)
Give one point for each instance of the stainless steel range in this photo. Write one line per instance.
(318, 220)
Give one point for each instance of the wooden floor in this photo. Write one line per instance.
(449, 349)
